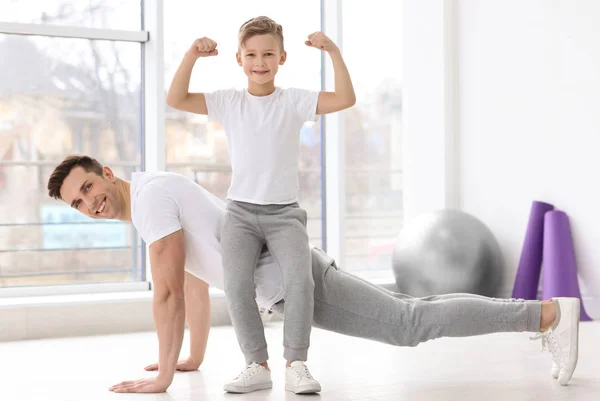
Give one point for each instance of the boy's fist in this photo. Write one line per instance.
(204, 47)
(320, 41)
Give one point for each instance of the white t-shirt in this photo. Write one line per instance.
(163, 203)
(263, 140)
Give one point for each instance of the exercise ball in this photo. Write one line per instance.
(447, 251)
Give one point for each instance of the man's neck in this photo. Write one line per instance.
(124, 188)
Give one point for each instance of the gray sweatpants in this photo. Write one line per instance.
(245, 229)
(349, 305)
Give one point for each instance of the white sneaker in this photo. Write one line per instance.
(299, 380)
(555, 371)
(254, 377)
(562, 339)
(548, 346)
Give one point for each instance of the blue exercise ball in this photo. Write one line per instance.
(447, 251)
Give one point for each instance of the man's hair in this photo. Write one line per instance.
(260, 26)
(64, 169)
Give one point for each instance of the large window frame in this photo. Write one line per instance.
(150, 12)
(151, 38)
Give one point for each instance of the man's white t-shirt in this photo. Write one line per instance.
(163, 203)
(263, 137)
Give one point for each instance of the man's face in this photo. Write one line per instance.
(261, 56)
(93, 195)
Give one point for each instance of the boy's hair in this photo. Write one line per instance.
(260, 26)
(61, 172)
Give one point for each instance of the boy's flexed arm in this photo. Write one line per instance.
(179, 96)
(343, 97)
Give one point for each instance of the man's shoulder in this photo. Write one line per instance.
(150, 186)
(152, 179)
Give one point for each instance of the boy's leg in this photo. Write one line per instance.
(284, 227)
(241, 245)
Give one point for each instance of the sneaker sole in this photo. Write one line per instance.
(247, 389)
(574, 354)
(306, 389)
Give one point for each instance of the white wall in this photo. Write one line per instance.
(529, 120)
(428, 68)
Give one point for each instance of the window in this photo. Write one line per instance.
(205, 157)
(372, 132)
(72, 83)
(108, 14)
(61, 95)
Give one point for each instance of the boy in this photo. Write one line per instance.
(262, 125)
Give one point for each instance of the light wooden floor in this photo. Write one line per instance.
(495, 367)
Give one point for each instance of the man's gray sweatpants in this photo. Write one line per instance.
(349, 305)
(245, 229)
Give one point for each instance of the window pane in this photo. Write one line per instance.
(61, 96)
(373, 135)
(198, 148)
(109, 14)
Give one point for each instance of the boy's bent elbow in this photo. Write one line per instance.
(172, 102)
(350, 101)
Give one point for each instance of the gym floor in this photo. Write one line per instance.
(505, 366)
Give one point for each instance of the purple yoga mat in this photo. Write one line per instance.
(530, 265)
(560, 268)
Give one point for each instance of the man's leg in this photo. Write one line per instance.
(440, 297)
(240, 247)
(349, 305)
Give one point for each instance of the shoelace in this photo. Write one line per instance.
(248, 372)
(303, 372)
(550, 344)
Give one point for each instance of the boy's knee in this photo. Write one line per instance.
(239, 290)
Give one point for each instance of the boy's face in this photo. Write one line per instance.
(261, 57)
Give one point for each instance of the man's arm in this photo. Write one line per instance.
(197, 312)
(343, 96)
(179, 96)
(167, 258)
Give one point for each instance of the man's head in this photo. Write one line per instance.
(87, 186)
(260, 49)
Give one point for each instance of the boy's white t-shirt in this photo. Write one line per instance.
(263, 140)
(163, 203)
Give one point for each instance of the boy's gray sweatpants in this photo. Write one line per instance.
(245, 229)
(349, 305)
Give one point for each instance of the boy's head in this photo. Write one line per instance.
(260, 49)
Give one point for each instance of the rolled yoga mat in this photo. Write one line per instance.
(560, 267)
(530, 265)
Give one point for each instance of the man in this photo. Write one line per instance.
(179, 220)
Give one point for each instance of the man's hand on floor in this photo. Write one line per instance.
(149, 385)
